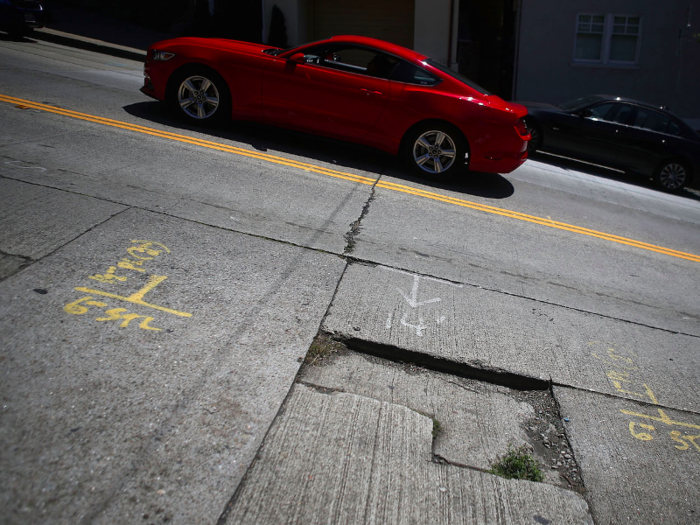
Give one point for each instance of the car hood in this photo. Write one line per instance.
(217, 43)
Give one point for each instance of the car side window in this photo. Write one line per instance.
(652, 120)
(674, 129)
(600, 111)
(407, 72)
(353, 59)
(620, 113)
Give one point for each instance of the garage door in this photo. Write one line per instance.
(390, 20)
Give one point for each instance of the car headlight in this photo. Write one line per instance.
(162, 55)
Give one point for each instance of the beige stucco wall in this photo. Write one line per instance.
(546, 71)
(432, 29)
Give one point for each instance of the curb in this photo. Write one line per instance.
(89, 44)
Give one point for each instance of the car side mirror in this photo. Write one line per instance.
(299, 58)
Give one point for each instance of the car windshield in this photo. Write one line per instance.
(455, 75)
(580, 103)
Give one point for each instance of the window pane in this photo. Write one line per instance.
(633, 20)
(623, 48)
(620, 20)
(599, 19)
(674, 129)
(588, 46)
(601, 112)
(651, 120)
(597, 28)
(620, 30)
(411, 74)
(584, 18)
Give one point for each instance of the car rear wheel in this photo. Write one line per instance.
(672, 175)
(536, 136)
(435, 151)
(202, 97)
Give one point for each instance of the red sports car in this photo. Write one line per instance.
(348, 87)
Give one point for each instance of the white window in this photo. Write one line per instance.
(607, 39)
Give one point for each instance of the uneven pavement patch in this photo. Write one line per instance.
(344, 458)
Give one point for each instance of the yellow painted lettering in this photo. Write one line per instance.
(642, 436)
(108, 276)
(113, 314)
(684, 440)
(75, 308)
(146, 247)
(128, 264)
(144, 325)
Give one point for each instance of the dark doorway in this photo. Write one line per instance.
(486, 43)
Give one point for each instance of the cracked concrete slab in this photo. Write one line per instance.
(142, 365)
(640, 462)
(344, 458)
(478, 422)
(34, 220)
(481, 330)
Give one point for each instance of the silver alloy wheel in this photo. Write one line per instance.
(198, 97)
(672, 176)
(434, 152)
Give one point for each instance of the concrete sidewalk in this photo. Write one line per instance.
(222, 421)
(99, 33)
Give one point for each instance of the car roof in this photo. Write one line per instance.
(613, 98)
(388, 47)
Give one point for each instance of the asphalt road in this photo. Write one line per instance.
(231, 247)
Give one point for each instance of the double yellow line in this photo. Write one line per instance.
(27, 104)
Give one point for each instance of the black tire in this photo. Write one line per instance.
(672, 175)
(535, 142)
(209, 96)
(434, 150)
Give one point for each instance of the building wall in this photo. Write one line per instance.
(431, 26)
(432, 30)
(546, 72)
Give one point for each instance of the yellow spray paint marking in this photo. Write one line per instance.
(141, 252)
(355, 178)
(624, 382)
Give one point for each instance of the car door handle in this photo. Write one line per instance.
(369, 92)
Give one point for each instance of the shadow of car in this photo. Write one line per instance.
(620, 133)
(280, 141)
(20, 17)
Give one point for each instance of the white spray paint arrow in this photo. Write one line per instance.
(413, 299)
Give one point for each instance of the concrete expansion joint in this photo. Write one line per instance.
(355, 226)
(642, 402)
(25, 258)
(467, 370)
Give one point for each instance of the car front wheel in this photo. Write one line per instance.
(435, 151)
(672, 175)
(202, 97)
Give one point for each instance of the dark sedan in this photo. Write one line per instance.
(20, 17)
(619, 133)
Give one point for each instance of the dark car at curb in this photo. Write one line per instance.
(619, 133)
(21, 17)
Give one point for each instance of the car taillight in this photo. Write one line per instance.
(521, 128)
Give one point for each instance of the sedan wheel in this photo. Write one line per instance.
(535, 137)
(434, 152)
(671, 176)
(198, 97)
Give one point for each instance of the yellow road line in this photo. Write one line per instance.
(351, 177)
